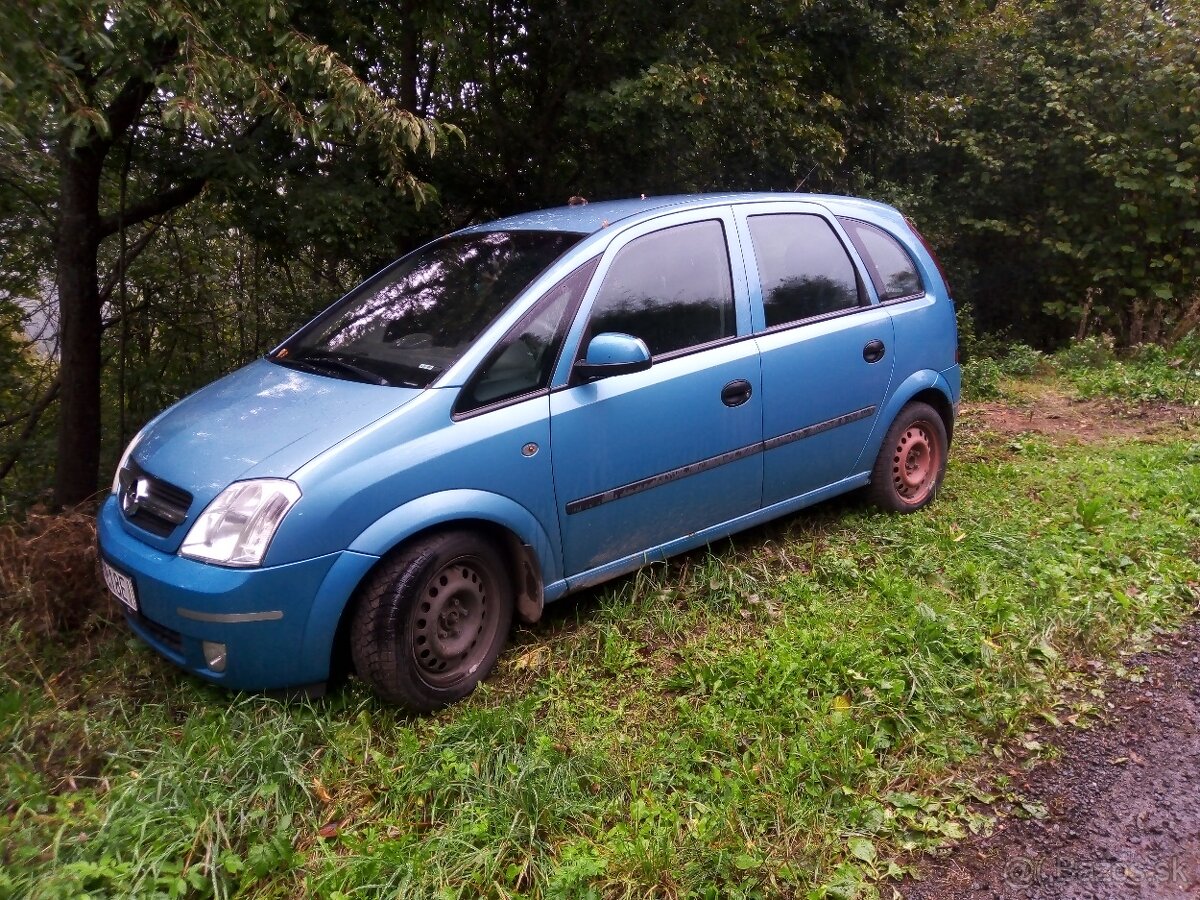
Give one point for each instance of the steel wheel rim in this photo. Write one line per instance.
(453, 621)
(916, 459)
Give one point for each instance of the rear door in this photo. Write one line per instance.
(827, 348)
(644, 458)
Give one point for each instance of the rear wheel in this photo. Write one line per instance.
(432, 620)
(912, 460)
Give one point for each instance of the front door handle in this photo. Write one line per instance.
(736, 392)
(874, 351)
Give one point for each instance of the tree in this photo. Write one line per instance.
(1069, 157)
(132, 109)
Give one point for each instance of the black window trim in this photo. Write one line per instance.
(823, 317)
(873, 270)
(907, 298)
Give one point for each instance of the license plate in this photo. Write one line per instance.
(121, 585)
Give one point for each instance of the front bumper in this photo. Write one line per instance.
(277, 623)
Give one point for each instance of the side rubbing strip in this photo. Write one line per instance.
(270, 615)
(810, 430)
(645, 484)
(636, 487)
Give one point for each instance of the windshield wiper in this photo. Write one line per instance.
(317, 360)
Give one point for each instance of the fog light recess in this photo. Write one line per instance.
(214, 655)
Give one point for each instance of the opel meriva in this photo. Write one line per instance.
(522, 409)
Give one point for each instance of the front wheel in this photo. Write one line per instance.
(912, 460)
(432, 620)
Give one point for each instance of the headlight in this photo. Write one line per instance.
(237, 527)
(129, 448)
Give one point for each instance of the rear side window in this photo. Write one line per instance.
(892, 270)
(671, 288)
(802, 266)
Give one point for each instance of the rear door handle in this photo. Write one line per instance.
(736, 392)
(874, 351)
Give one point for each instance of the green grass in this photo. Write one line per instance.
(792, 713)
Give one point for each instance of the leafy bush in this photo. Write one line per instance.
(1149, 373)
(981, 379)
(1090, 353)
(1022, 361)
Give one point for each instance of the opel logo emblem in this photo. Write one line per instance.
(134, 495)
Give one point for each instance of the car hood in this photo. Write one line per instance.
(264, 420)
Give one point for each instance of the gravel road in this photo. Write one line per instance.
(1122, 800)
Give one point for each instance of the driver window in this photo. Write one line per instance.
(523, 361)
(672, 289)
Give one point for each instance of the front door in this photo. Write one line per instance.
(645, 458)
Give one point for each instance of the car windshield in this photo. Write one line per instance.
(413, 320)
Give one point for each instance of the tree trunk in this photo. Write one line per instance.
(79, 326)
(409, 58)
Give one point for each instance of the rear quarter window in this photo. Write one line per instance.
(892, 270)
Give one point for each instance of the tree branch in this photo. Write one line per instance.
(33, 415)
(125, 107)
(153, 206)
(116, 320)
(131, 253)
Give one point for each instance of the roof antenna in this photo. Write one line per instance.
(804, 180)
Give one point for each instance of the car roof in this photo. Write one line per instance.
(588, 218)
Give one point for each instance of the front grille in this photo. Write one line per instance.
(150, 503)
(166, 636)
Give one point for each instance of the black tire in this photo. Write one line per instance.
(432, 620)
(911, 464)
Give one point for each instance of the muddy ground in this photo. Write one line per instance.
(1121, 801)
(1062, 419)
(1118, 806)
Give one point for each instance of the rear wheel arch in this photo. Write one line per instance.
(911, 464)
(941, 405)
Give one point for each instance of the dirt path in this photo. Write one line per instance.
(1122, 802)
(1063, 419)
(1122, 798)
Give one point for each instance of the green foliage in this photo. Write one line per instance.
(784, 714)
(1090, 353)
(210, 73)
(987, 360)
(25, 376)
(1071, 138)
(1148, 374)
(1022, 361)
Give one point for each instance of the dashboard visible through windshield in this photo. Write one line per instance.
(412, 321)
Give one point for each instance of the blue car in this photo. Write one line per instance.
(522, 409)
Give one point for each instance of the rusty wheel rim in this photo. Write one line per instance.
(916, 459)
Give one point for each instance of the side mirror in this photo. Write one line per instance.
(612, 353)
